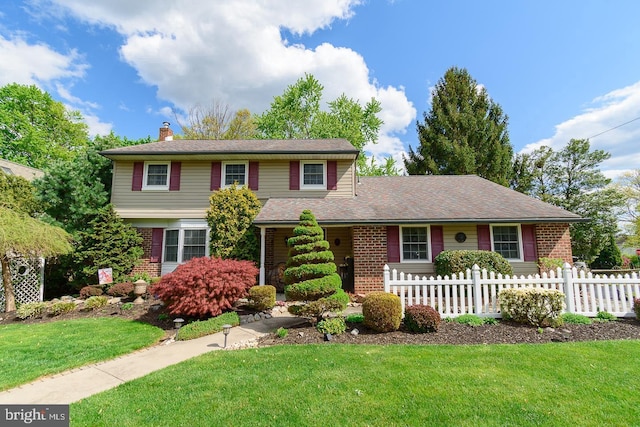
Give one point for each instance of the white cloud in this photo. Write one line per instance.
(234, 52)
(601, 123)
(36, 64)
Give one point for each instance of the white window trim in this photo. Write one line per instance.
(145, 176)
(429, 250)
(181, 229)
(304, 186)
(520, 243)
(224, 173)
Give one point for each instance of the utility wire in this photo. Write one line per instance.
(615, 127)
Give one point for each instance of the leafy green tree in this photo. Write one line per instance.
(23, 236)
(311, 274)
(610, 255)
(296, 114)
(464, 133)
(629, 185)
(570, 178)
(107, 242)
(230, 217)
(217, 121)
(35, 130)
(73, 191)
(18, 194)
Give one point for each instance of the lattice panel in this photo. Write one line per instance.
(27, 276)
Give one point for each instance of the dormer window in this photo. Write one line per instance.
(156, 176)
(313, 175)
(235, 173)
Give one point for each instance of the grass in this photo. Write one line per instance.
(29, 351)
(585, 384)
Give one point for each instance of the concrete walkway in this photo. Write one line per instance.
(71, 386)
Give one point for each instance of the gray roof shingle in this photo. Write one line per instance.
(419, 199)
(252, 147)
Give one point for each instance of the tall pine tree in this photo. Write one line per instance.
(464, 133)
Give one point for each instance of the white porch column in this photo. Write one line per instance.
(263, 233)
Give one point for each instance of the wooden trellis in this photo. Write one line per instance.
(27, 276)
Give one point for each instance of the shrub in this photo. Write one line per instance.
(382, 311)
(604, 316)
(636, 307)
(421, 318)
(262, 297)
(546, 264)
(333, 326)
(90, 291)
(31, 310)
(311, 274)
(230, 217)
(537, 307)
(107, 242)
(210, 326)
(282, 332)
(205, 286)
(62, 307)
(96, 302)
(576, 319)
(454, 262)
(469, 319)
(124, 289)
(127, 306)
(354, 318)
(490, 321)
(610, 255)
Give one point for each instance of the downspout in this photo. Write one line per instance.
(263, 233)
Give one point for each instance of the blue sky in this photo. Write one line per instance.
(560, 69)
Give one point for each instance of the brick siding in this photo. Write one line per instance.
(554, 241)
(153, 269)
(369, 256)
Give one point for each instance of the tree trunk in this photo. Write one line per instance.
(9, 292)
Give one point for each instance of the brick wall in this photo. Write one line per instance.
(554, 241)
(369, 256)
(146, 266)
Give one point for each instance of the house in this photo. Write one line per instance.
(26, 172)
(163, 188)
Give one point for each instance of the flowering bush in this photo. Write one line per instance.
(538, 307)
(205, 286)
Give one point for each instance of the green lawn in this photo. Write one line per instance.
(563, 384)
(29, 351)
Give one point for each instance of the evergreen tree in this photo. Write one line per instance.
(108, 242)
(610, 255)
(311, 274)
(464, 133)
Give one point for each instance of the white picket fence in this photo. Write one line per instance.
(476, 292)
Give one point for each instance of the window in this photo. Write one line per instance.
(234, 172)
(171, 245)
(506, 240)
(313, 176)
(156, 176)
(183, 244)
(194, 244)
(415, 244)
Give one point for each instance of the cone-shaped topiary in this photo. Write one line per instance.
(311, 274)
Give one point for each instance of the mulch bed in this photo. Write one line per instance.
(454, 333)
(449, 332)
